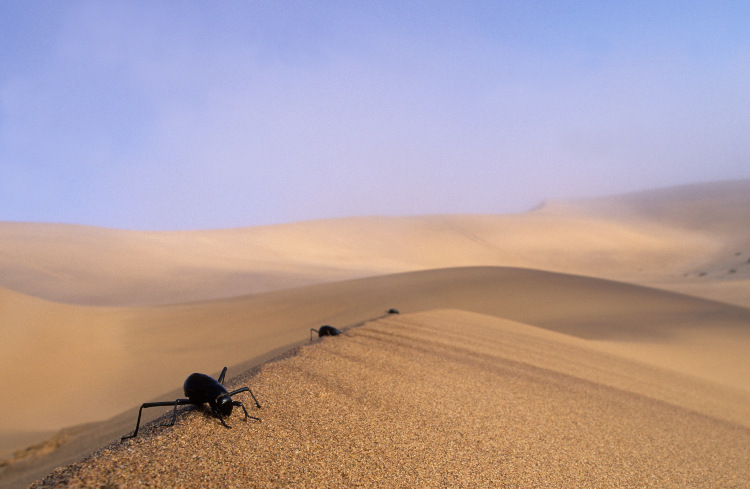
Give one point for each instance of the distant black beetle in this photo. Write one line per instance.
(392, 311)
(325, 331)
(201, 389)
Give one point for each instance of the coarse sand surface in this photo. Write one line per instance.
(441, 399)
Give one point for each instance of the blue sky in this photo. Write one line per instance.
(189, 115)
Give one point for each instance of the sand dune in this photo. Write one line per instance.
(162, 345)
(129, 354)
(100, 320)
(98, 266)
(717, 207)
(442, 399)
(720, 210)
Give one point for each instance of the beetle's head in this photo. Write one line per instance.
(224, 405)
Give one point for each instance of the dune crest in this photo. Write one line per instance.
(441, 399)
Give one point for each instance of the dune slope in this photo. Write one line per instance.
(435, 400)
(130, 355)
(718, 210)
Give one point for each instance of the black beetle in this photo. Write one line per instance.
(325, 331)
(201, 389)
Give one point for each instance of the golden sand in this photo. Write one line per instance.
(441, 399)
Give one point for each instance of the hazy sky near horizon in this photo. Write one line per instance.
(191, 114)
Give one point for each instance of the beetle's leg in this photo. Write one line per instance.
(177, 402)
(137, 424)
(245, 389)
(221, 377)
(156, 404)
(311, 332)
(239, 403)
(221, 418)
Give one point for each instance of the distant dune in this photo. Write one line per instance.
(717, 207)
(636, 238)
(96, 321)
